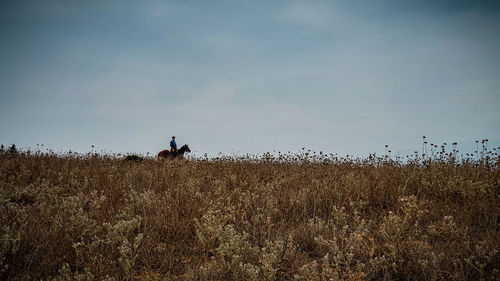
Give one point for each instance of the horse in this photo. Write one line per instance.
(167, 154)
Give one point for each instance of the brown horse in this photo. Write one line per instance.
(167, 154)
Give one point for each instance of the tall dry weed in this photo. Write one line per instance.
(304, 217)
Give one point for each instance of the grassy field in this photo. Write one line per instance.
(305, 217)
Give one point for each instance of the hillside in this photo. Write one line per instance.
(67, 217)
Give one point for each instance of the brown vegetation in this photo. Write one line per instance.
(273, 218)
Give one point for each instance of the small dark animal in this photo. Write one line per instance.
(180, 153)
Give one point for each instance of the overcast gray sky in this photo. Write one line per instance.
(344, 77)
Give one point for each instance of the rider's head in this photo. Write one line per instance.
(173, 137)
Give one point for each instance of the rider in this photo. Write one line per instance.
(173, 147)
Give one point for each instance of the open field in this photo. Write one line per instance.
(290, 217)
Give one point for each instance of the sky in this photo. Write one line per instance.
(237, 77)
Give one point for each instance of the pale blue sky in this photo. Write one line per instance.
(344, 77)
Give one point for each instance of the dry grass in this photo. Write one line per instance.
(274, 218)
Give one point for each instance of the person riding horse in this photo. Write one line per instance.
(179, 154)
